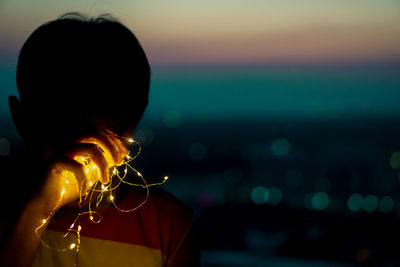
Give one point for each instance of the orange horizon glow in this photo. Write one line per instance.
(231, 32)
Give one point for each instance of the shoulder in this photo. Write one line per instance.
(174, 219)
(168, 205)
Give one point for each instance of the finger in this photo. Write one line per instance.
(114, 149)
(63, 164)
(123, 150)
(93, 152)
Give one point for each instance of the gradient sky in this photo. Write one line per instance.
(230, 31)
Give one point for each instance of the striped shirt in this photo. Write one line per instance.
(148, 236)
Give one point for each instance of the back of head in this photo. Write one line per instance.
(74, 69)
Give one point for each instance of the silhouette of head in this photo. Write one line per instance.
(76, 75)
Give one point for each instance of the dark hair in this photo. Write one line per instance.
(81, 66)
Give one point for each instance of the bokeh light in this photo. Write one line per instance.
(370, 203)
(197, 151)
(144, 136)
(355, 202)
(395, 160)
(320, 201)
(172, 119)
(280, 147)
(386, 204)
(257, 194)
(275, 196)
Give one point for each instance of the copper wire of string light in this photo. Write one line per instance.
(90, 170)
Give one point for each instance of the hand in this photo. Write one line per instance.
(67, 177)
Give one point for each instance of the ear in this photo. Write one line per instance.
(17, 114)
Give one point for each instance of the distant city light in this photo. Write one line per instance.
(197, 151)
(267, 196)
(395, 160)
(257, 195)
(355, 202)
(172, 119)
(280, 147)
(370, 203)
(144, 136)
(320, 201)
(386, 205)
(275, 196)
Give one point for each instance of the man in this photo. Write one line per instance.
(83, 86)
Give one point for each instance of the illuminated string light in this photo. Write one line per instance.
(92, 175)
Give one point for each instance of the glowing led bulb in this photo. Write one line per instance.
(72, 226)
(130, 140)
(44, 221)
(139, 174)
(83, 159)
(91, 217)
(87, 170)
(128, 157)
(63, 191)
(72, 246)
(79, 228)
(66, 181)
(111, 197)
(165, 178)
(126, 170)
(115, 171)
(90, 183)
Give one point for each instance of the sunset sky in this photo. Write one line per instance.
(182, 32)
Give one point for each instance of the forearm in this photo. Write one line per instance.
(20, 250)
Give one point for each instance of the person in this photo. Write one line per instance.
(83, 85)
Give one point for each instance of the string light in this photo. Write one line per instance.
(92, 175)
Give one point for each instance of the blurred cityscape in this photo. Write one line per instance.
(275, 190)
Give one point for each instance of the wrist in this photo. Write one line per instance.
(40, 207)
